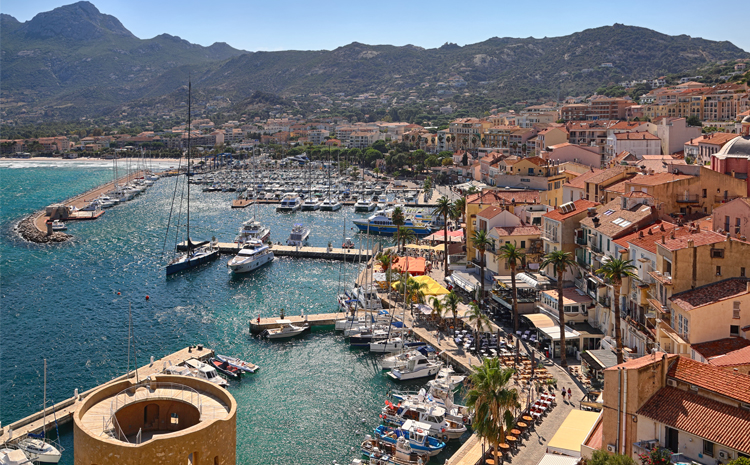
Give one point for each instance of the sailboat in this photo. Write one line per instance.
(195, 255)
(330, 204)
(37, 447)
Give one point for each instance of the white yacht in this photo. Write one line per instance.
(394, 344)
(251, 256)
(417, 367)
(447, 377)
(252, 230)
(291, 202)
(58, 225)
(286, 330)
(400, 360)
(206, 372)
(10, 456)
(330, 204)
(442, 424)
(39, 451)
(298, 236)
(310, 204)
(364, 205)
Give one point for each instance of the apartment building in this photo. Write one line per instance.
(674, 133)
(637, 143)
(559, 230)
(467, 132)
(596, 109)
(733, 217)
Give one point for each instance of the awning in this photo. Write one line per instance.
(557, 459)
(540, 320)
(599, 359)
(465, 281)
(592, 361)
(553, 333)
(416, 266)
(424, 309)
(431, 286)
(572, 433)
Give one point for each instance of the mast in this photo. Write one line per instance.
(187, 175)
(44, 406)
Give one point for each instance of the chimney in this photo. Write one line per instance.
(624, 203)
(691, 243)
(661, 227)
(640, 234)
(729, 237)
(649, 232)
(662, 240)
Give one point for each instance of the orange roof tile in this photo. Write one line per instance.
(518, 231)
(734, 358)
(710, 293)
(490, 212)
(657, 179)
(706, 418)
(700, 238)
(581, 206)
(641, 362)
(580, 181)
(503, 197)
(720, 346)
(651, 235)
(711, 378)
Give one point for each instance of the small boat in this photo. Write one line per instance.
(251, 256)
(400, 360)
(58, 225)
(38, 450)
(363, 206)
(286, 330)
(330, 205)
(311, 204)
(400, 452)
(447, 376)
(442, 425)
(226, 368)
(298, 236)
(417, 367)
(10, 456)
(348, 244)
(291, 202)
(239, 364)
(206, 372)
(416, 433)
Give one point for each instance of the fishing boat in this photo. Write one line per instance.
(286, 330)
(441, 424)
(298, 236)
(400, 452)
(226, 368)
(251, 256)
(206, 372)
(194, 256)
(58, 225)
(416, 433)
(417, 367)
(237, 363)
(252, 229)
(37, 447)
(290, 203)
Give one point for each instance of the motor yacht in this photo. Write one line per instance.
(401, 359)
(206, 372)
(442, 425)
(290, 203)
(253, 230)
(298, 237)
(394, 344)
(330, 204)
(286, 330)
(251, 256)
(364, 205)
(58, 225)
(417, 367)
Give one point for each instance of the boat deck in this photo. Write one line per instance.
(63, 411)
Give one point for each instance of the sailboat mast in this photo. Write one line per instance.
(130, 326)
(44, 406)
(187, 175)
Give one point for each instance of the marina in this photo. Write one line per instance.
(323, 253)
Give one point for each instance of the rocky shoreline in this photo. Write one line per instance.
(29, 232)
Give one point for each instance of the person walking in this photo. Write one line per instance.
(570, 395)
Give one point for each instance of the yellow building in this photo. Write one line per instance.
(526, 238)
(553, 196)
(162, 420)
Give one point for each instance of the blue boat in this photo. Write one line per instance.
(416, 433)
(381, 224)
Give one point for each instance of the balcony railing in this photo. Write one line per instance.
(549, 237)
(725, 198)
(682, 198)
(581, 240)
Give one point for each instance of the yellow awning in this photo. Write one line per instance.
(572, 432)
(432, 287)
(540, 321)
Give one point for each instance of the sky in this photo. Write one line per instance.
(326, 24)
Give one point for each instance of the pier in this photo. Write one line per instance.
(63, 411)
(291, 251)
(318, 319)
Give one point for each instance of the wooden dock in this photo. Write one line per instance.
(319, 319)
(241, 203)
(64, 410)
(290, 251)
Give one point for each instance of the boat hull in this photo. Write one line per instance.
(390, 230)
(183, 265)
(252, 265)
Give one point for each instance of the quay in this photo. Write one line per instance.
(318, 319)
(290, 251)
(62, 412)
(242, 203)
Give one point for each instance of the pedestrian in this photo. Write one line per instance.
(570, 394)
(563, 394)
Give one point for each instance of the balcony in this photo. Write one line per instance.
(549, 237)
(687, 198)
(725, 198)
(581, 240)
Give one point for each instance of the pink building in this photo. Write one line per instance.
(734, 157)
(733, 218)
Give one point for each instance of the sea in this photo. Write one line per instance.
(313, 399)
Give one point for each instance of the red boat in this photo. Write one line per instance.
(227, 369)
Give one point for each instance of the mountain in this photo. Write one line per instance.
(75, 61)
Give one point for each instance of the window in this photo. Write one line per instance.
(523, 244)
(718, 271)
(174, 419)
(726, 224)
(742, 271)
(737, 226)
(717, 253)
(734, 330)
(704, 193)
(708, 448)
(736, 310)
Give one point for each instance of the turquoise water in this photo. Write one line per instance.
(60, 302)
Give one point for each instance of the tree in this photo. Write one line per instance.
(415, 291)
(465, 159)
(377, 172)
(657, 456)
(459, 205)
(427, 185)
(386, 260)
(693, 120)
(443, 209)
(602, 457)
(560, 261)
(403, 235)
(447, 162)
(397, 217)
(492, 401)
(438, 309)
(740, 461)
(512, 256)
(481, 241)
(451, 303)
(380, 146)
(614, 271)
(478, 320)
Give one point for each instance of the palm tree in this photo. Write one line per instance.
(397, 217)
(415, 291)
(481, 241)
(460, 205)
(438, 309)
(479, 320)
(451, 302)
(512, 256)
(402, 236)
(560, 261)
(614, 270)
(385, 259)
(493, 401)
(444, 207)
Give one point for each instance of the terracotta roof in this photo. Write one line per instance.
(581, 206)
(570, 296)
(614, 220)
(617, 187)
(518, 231)
(706, 418)
(539, 161)
(657, 179)
(580, 181)
(595, 438)
(700, 238)
(490, 212)
(635, 136)
(710, 293)
(503, 197)
(651, 235)
(622, 156)
(734, 358)
(718, 138)
(626, 125)
(608, 174)
(720, 346)
(711, 378)
(641, 362)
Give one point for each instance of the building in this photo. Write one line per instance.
(690, 408)
(733, 218)
(524, 237)
(549, 137)
(567, 152)
(597, 109)
(637, 143)
(591, 133)
(171, 420)
(702, 148)
(559, 229)
(674, 133)
(734, 156)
